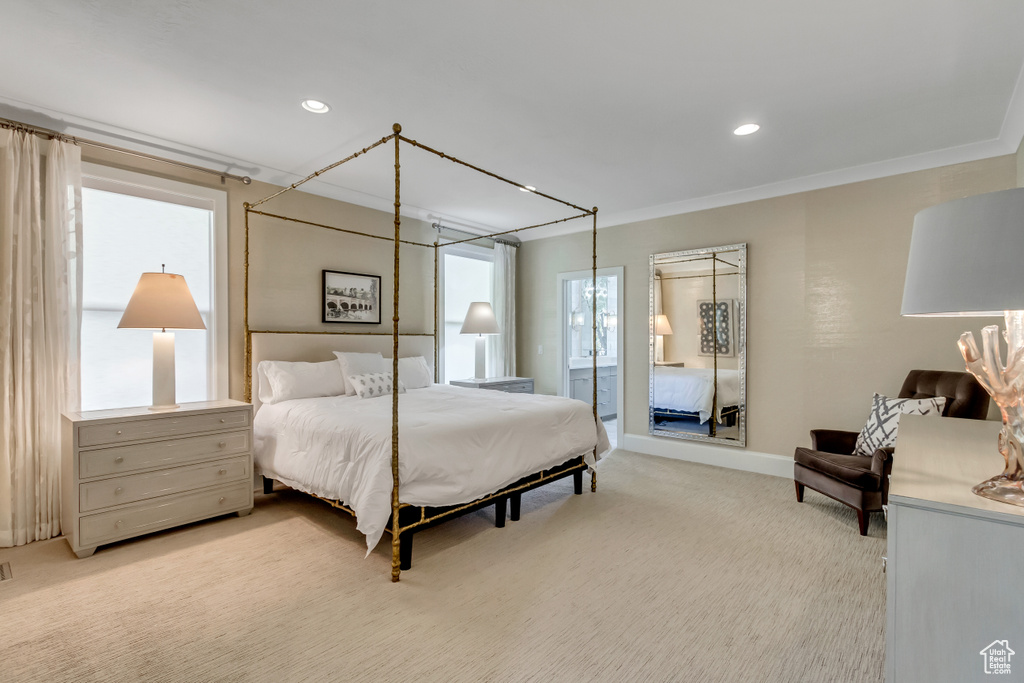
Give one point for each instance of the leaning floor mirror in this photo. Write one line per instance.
(698, 335)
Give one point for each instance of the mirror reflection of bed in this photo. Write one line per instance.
(698, 299)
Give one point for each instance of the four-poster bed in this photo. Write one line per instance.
(405, 518)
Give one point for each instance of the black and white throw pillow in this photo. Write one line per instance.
(880, 430)
(374, 384)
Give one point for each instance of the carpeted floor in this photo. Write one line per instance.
(671, 572)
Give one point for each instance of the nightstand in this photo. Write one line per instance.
(510, 385)
(132, 471)
(669, 364)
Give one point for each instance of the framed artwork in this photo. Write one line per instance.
(725, 342)
(350, 298)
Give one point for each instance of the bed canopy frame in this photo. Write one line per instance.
(407, 518)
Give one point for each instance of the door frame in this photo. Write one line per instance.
(618, 273)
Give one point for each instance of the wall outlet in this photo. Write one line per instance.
(540, 349)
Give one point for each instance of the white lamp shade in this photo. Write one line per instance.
(966, 257)
(480, 319)
(162, 301)
(661, 325)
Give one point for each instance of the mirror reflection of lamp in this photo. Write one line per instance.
(661, 328)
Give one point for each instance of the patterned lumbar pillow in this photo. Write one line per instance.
(880, 430)
(374, 384)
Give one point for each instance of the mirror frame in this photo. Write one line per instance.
(741, 345)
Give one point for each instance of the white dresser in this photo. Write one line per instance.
(132, 471)
(955, 560)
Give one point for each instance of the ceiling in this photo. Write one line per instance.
(626, 106)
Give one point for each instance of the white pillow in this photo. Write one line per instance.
(884, 420)
(413, 372)
(287, 380)
(358, 364)
(373, 384)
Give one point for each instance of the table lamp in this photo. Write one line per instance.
(480, 321)
(661, 328)
(966, 260)
(162, 301)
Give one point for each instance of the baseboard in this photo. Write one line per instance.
(706, 454)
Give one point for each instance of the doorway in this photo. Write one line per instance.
(577, 292)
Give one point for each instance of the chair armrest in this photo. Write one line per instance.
(833, 441)
(881, 461)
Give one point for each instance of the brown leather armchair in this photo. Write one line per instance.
(862, 481)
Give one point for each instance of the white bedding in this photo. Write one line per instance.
(692, 390)
(455, 445)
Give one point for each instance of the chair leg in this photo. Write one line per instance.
(799, 491)
(514, 504)
(863, 517)
(499, 512)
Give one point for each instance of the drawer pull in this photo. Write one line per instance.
(223, 420)
(119, 432)
(118, 460)
(222, 444)
(118, 491)
(222, 471)
(221, 501)
(117, 524)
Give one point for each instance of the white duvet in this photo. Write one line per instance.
(455, 445)
(692, 390)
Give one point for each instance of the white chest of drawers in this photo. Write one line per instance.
(132, 471)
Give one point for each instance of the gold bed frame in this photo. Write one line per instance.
(396, 528)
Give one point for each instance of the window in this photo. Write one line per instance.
(467, 277)
(132, 224)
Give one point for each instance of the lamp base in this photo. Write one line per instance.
(1002, 382)
(1002, 489)
(163, 371)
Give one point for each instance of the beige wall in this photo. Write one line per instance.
(286, 259)
(825, 286)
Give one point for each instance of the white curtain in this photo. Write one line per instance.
(40, 319)
(501, 351)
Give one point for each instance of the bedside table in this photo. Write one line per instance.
(132, 471)
(510, 385)
(669, 364)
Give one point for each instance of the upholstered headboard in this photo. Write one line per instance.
(320, 347)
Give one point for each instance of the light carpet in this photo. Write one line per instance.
(672, 571)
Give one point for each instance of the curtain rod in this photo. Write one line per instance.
(55, 135)
(437, 226)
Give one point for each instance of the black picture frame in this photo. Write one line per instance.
(352, 298)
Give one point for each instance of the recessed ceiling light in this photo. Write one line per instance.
(527, 188)
(747, 129)
(315, 106)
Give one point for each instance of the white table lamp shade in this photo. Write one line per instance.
(480, 319)
(162, 301)
(661, 325)
(966, 257)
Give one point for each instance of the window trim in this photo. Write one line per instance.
(108, 179)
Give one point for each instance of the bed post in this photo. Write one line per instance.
(396, 554)
(593, 343)
(437, 351)
(245, 311)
